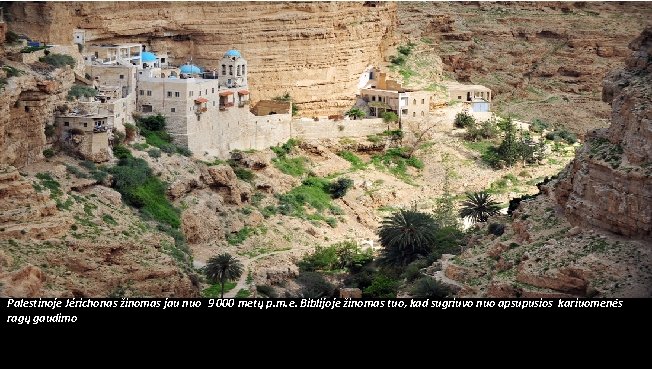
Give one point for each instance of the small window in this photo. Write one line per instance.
(404, 111)
(169, 93)
(85, 124)
(238, 70)
(423, 101)
(414, 113)
(190, 93)
(176, 94)
(26, 109)
(199, 92)
(146, 108)
(149, 93)
(142, 92)
(414, 101)
(422, 114)
(459, 97)
(173, 110)
(230, 70)
(206, 92)
(122, 76)
(373, 98)
(223, 70)
(66, 124)
(162, 60)
(213, 103)
(243, 70)
(212, 90)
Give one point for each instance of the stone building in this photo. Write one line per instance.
(382, 95)
(477, 96)
(109, 54)
(87, 134)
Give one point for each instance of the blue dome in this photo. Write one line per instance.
(189, 69)
(147, 57)
(233, 52)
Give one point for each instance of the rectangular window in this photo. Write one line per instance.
(223, 70)
(146, 108)
(212, 90)
(213, 103)
(199, 92)
(243, 70)
(85, 124)
(176, 94)
(172, 110)
(230, 70)
(206, 92)
(149, 93)
(122, 76)
(162, 60)
(190, 93)
(169, 93)
(459, 97)
(423, 101)
(66, 124)
(142, 92)
(373, 98)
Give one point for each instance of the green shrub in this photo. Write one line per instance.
(382, 286)
(314, 285)
(244, 174)
(31, 49)
(130, 132)
(562, 135)
(154, 153)
(121, 152)
(496, 229)
(58, 60)
(390, 117)
(356, 162)
(48, 153)
(295, 167)
(99, 175)
(397, 60)
(12, 72)
(413, 270)
(464, 120)
(11, 37)
(339, 188)
(139, 188)
(152, 123)
(240, 236)
(538, 126)
(77, 91)
(428, 287)
(285, 149)
(88, 165)
(76, 171)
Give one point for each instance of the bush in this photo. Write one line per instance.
(356, 162)
(382, 287)
(11, 37)
(121, 152)
(152, 123)
(496, 229)
(314, 285)
(58, 60)
(538, 126)
(428, 287)
(130, 132)
(267, 291)
(397, 60)
(99, 175)
(244, 174)
(11, 71)
(31, 49)
(355, 113)
(339, 188)
(154, 153)
(118, 137)
(77, 91)
(413, 270)
(464, 120)
(48, 153)
(341, 255)
(562, 135)
(283, 150)
(390, 117)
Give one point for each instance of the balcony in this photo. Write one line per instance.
(226, 105)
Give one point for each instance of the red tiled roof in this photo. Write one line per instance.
(243, 92)
(226, 93)
(201, 100)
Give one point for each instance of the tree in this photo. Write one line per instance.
(390, 117)
(407, 235)
(479, 207)
(464, 120)
(152, 122)
(509, 149)
(222, 268)
(355, 113)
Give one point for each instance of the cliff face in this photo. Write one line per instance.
(314, 51)
(27, 104)
(542, 60)
(609, 184)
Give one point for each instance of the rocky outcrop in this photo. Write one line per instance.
(27, 104)
(609, 184)
(26, 213)
(315, 51)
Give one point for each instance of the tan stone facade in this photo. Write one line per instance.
(468, 93)
(86, 134)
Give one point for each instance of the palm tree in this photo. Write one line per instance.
(406, 235)
(355, 113)
(479, 207)
(222, 268)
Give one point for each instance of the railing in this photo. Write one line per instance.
(202, 110)
(226, 105)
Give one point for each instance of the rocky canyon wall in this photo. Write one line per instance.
(609, 184)
(315, 51)
(27, 104)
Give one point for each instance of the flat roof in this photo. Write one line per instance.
(460, 86)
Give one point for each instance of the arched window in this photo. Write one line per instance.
(414, 101)
(422, 114)
(238, 70)
(414, 114)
